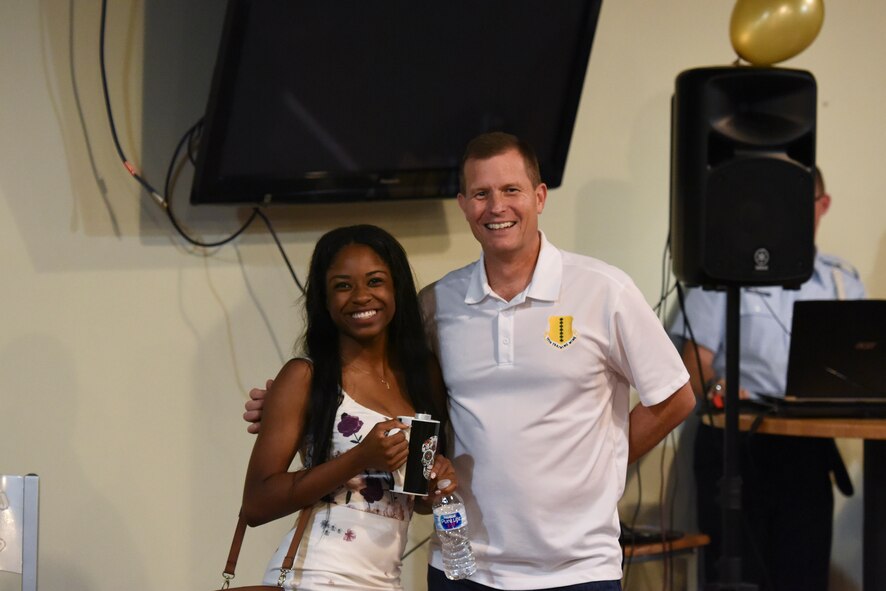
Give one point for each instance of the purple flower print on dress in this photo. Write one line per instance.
(373, 491)
(350, 536)
(349, 424)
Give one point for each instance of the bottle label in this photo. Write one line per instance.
(450, 521)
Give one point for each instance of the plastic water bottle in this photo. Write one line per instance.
(451, 523)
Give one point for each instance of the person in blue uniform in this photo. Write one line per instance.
(787, 497)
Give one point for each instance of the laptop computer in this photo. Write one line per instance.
(837, 360)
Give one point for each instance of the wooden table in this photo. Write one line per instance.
(873, 432)
(687, 543)
(686, 546)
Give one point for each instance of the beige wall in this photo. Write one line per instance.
(125, 357)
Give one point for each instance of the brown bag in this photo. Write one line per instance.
(231, 565)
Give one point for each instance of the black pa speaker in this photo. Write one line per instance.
(743, 176)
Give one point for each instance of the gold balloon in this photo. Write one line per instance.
(764, 32)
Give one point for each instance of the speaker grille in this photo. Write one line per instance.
(758, 222)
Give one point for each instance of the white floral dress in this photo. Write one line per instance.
(355, 541)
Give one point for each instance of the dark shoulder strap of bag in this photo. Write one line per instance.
(300, 526)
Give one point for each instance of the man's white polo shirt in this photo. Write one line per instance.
(539, 394)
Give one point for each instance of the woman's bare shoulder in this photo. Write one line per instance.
(293, 382)
(297, 368)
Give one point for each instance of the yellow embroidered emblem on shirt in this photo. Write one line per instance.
(560, 332)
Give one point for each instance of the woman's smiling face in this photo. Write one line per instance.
(360, 293)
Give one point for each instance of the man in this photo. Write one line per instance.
(539, 349)
(787, 496)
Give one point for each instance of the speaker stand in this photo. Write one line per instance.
(730, 486)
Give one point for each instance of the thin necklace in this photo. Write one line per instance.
(371, 373)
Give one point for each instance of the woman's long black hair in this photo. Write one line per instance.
(406, 336)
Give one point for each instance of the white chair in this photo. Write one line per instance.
(18, 527)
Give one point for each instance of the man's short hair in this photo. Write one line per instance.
(494, 143)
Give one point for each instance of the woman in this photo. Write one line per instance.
(367, 361)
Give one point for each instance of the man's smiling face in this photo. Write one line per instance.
(501, 204)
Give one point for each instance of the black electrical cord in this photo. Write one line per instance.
(666, 524)
(256, 212)
(705, 407)
(660, 308)
(167, 187)
(663, 498)
(662, 311)
(161, 201)
(267, 222)
(631, 538)
(191, 137)
(129, 167)
(665, 279)
(194, 140)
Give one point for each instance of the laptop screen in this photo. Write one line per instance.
(838, 350)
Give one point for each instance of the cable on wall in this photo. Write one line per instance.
(191, 138)
(126, 163)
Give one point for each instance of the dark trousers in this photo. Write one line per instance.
(437, 581)
(787, 508)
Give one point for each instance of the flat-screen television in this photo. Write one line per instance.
(335, 100)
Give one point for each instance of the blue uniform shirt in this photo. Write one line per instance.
(766, 314)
